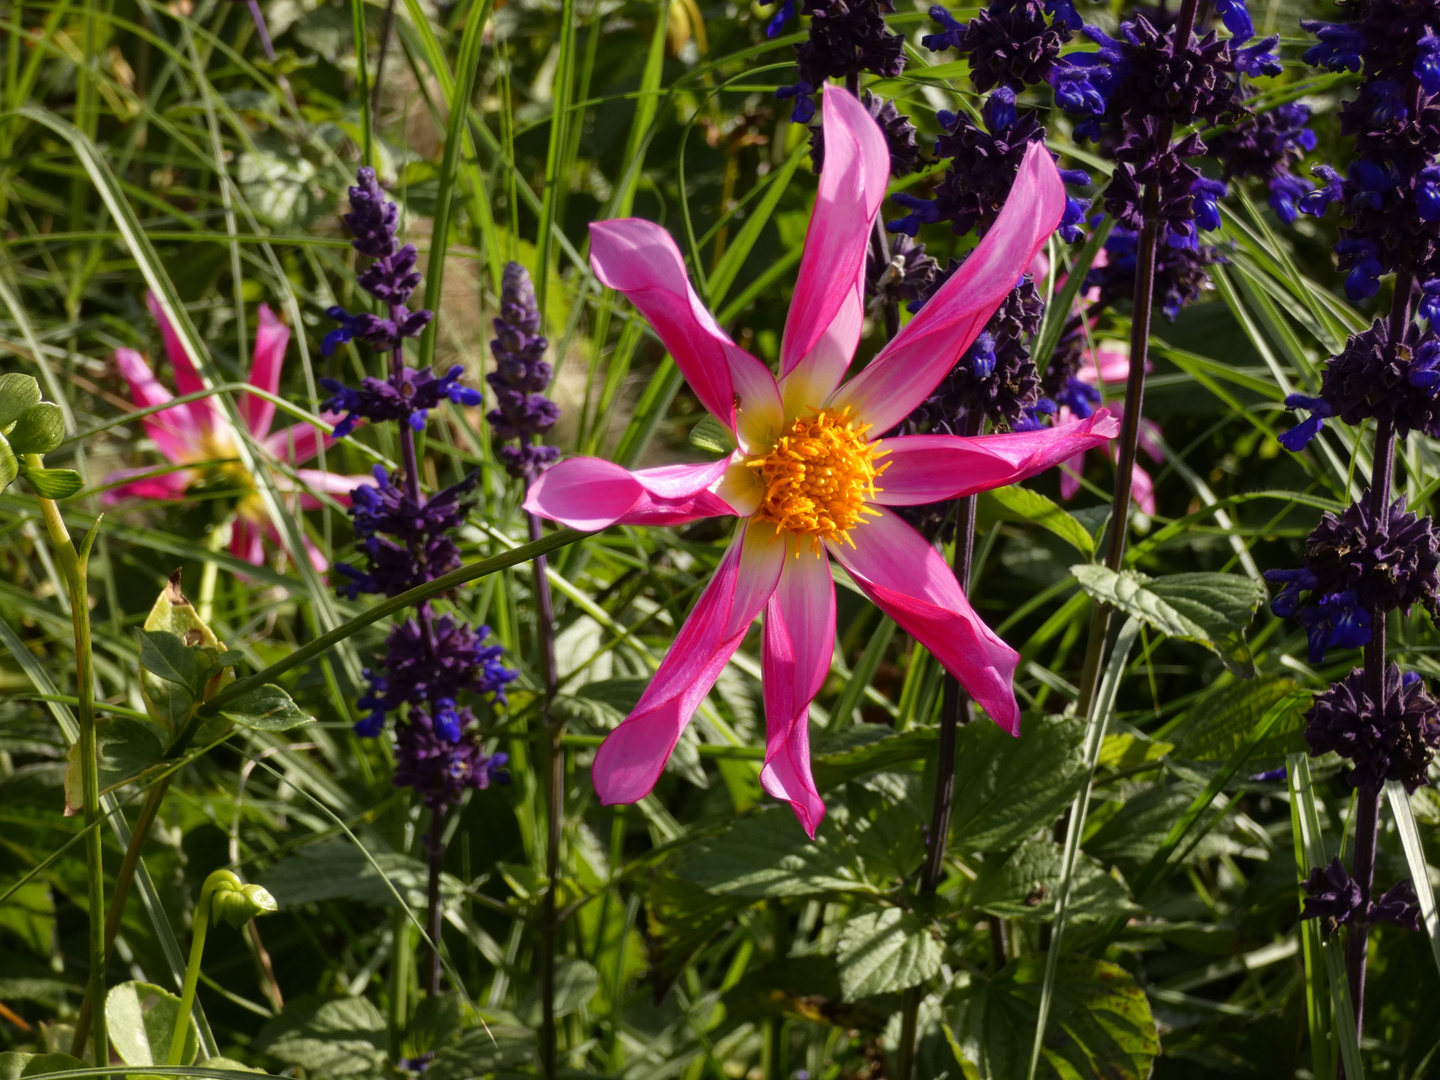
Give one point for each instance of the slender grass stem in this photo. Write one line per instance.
(73, 565)
(435, 910)
(192, 975)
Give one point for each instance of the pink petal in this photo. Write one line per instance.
(271, 338)
(912, 365)
(827, 313)
(299, 442)
(246, 542)
(593, 494)
(1142, 489)
(1149, 441)
(333, 484)
(639, 259)
(932, 468)
(164, 486)
(799, 641)
(173, 430)
(187, 379)
(1070, 474)
(1113, 367)
(632, 756)
(909, 581)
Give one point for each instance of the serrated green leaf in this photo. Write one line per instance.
(338, 870)
(883, 749)
(1006, 788)
(1209, 609)
(711, 436)
(1220, 723)
(1017, 503)
(54, 483)
(881, 952)
(576, 982)
(266, 708)
(1101, 1027)
(683, 917)
(124, 749)
(1023, 886)
(142, 1019)
(768, 854)
(328, 1037)
(38, 430)
(17, 393)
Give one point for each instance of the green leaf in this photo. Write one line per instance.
(503, 1044)
(9, 466)
(1100, 1025)
(29, 914)
(1209, 609)
(165, 656)
(17, 393)
(1219, 724)
(40, 429)
(682, 918)
(14, 1065)
(338, 870)
(881, 952)
(1017, 503)
(174, 614)
(54, 483)
(266, 708)
(883, 749)
(1007, 788)
(124, 749)
(142, 1020)
(711, 436)
(768, 854)
(1023, 886)
(1142, 823)
(328, 1036)
(438, 1020)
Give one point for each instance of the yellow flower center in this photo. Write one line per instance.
(819, 477)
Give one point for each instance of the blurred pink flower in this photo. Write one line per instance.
(198, 433)
(809, 476)
(1112, 371)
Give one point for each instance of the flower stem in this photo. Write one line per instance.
(1367, 815)
(73, 564)
(554, 796)
(192, 974)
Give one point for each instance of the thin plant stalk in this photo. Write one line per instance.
(435, 912)
(1367, 811)
(74, 565)
(554, 796)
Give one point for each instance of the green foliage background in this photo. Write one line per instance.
(145, 145)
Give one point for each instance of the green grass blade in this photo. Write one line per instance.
(1095, 726)
(1415, 856)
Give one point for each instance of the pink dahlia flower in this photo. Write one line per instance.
(809, 477)
(198, 433)
(1113, 370)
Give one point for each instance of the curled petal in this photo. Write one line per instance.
(632, 756)
(337, 486)
(300, 442)
(162, 486)
(912, 365)
(932, 468)
(827, 313)
(639, 259)
(909, 581)
(593, 494)
(271, 338)
(799, 642)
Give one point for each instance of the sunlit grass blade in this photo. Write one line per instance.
(1415, 857)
